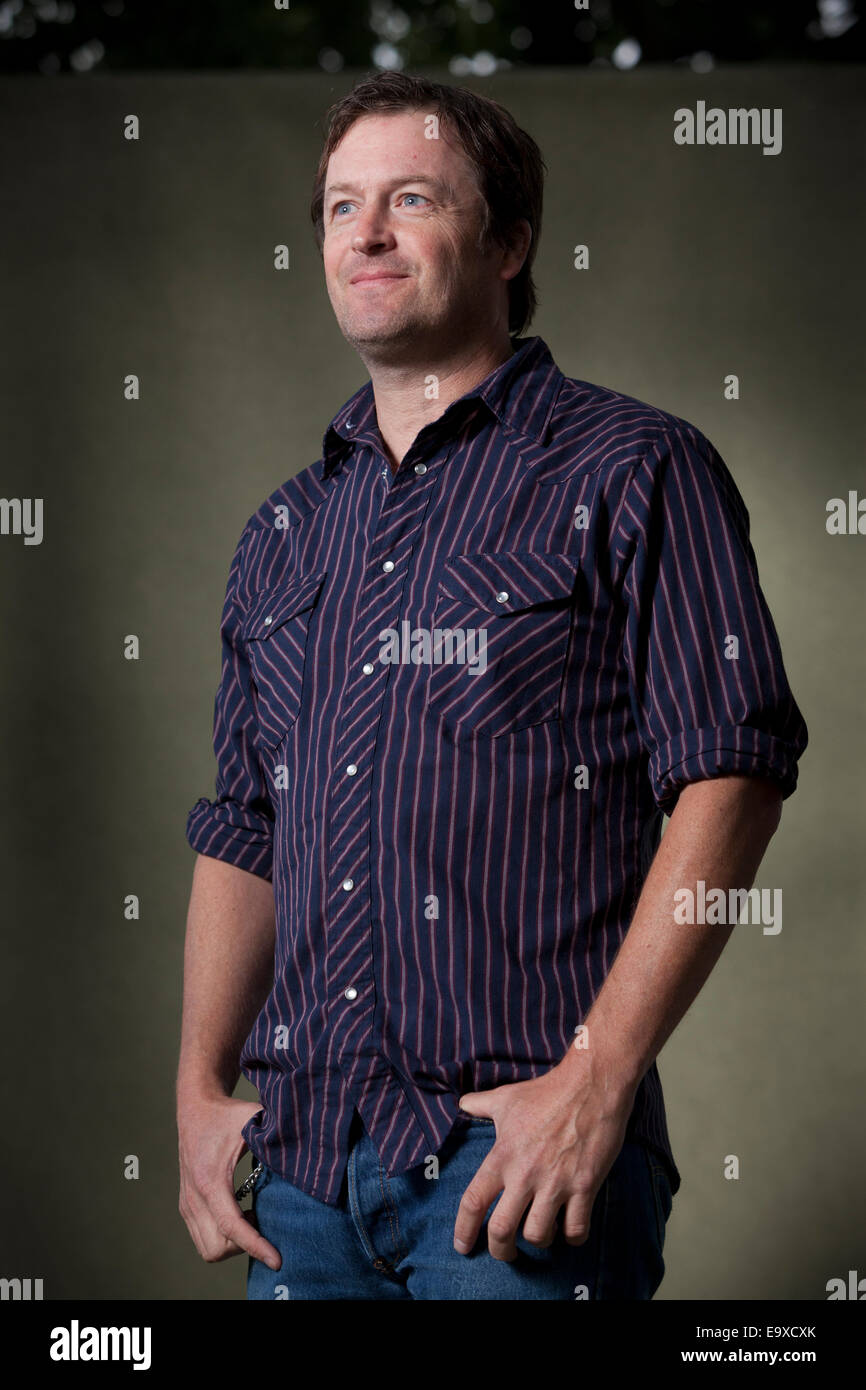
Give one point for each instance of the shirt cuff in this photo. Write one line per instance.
(226, 830)
(736, 749)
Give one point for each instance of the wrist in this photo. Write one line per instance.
(202, 1087)
(614, 1073)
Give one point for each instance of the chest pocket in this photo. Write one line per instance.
(501, 627)
(275, 631)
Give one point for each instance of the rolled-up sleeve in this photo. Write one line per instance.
(707, 682)
(238, 824)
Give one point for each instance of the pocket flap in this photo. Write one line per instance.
(273, 607)
(506, 581)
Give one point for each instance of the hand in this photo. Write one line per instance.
(210, 1144)
(557, 1138)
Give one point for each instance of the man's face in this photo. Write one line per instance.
(408, 211)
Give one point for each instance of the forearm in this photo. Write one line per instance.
(228, 972)
(718, 832)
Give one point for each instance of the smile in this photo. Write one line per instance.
(377, 280)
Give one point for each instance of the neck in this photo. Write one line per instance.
(410, 395)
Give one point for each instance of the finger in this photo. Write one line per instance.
(192, 1226)
(208, 1241)
(475, 1103)
(578, 1211)
(232, 1226)
(504, 1222)
(210, 1244)
(539, 1227)
(474, 1206)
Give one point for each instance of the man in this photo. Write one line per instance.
(470, 659)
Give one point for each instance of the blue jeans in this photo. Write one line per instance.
(392, 1238)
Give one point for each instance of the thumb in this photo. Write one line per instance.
(473, 1103)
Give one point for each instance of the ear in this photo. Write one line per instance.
(519, 242)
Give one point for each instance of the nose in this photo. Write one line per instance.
(372, 230)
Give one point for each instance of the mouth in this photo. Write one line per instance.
(375, 279)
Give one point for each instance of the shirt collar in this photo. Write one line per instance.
(521, 392)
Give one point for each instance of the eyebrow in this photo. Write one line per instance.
(393, 183)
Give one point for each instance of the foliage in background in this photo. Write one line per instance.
(464, 36)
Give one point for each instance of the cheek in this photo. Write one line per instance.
(460, 256)
(445, 261)
(333, 249)
(330, 264)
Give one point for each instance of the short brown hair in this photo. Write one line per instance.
(507, 161)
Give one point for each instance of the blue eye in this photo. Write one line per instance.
(404, 196)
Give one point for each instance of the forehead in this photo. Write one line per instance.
(380, 148)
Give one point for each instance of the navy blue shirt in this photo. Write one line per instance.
(454, 706)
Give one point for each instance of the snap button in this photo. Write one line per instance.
(502, 596)
(387, 566)
(351, 992)
(348, 883)
(368, 668)
(268, 620)
(420, 468)
(352, 769)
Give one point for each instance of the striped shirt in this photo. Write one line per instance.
(454, 705)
